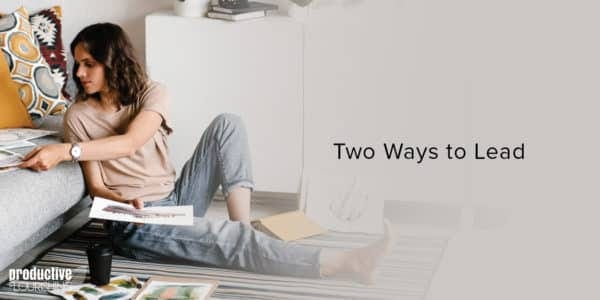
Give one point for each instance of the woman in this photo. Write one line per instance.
(117, 131)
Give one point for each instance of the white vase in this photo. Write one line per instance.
(190, 8)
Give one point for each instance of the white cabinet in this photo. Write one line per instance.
(251, 68)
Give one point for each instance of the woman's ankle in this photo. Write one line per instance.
(359, 263)
(331, 262)
(238, 204)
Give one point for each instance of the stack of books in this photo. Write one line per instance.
(249, 10)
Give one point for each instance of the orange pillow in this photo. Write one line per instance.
(13, 113)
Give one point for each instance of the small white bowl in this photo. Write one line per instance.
(190, 8)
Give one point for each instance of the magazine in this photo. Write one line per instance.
(119, 288)
(9, 159)
(8, 169)
(118, 211)
(15, 135)
(17, 145)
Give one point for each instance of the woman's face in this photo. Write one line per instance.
(90, 72)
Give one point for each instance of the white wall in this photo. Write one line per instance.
(77, 14)
(227, 67)
(380, 71)
(423, 72)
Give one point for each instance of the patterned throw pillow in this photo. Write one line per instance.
(47, 28)
(28, 69)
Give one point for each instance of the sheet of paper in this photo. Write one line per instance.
(8, 169)
(117, 211)
(21, 144)
(15, 135)
(341, 204)
(9, 159)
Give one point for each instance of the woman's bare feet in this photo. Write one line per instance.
(359, 263)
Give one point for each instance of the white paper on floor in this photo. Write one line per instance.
(340, 203)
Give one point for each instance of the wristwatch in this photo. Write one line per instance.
(75, 152)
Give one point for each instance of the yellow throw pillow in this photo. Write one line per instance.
(12, 111)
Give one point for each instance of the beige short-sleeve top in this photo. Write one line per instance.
(148, 174)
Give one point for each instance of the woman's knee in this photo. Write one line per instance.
(228, 118)
(228, 121)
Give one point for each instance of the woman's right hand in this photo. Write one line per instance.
(46, 157)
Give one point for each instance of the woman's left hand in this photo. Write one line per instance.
(46, 157)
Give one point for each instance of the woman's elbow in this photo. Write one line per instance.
(130, 151)
(129, 148)
(94, 190)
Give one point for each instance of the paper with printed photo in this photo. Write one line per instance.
(118, 211)
(119, 288)
(161, 287)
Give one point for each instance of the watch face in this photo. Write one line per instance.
(75, 152)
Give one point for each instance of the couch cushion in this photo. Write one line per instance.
(30, 199)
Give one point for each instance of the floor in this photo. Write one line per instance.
(415, 219)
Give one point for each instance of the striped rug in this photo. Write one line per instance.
(404, 274)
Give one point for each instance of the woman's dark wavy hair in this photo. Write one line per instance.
(109, 45)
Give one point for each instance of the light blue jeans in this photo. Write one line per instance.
(222, 157)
